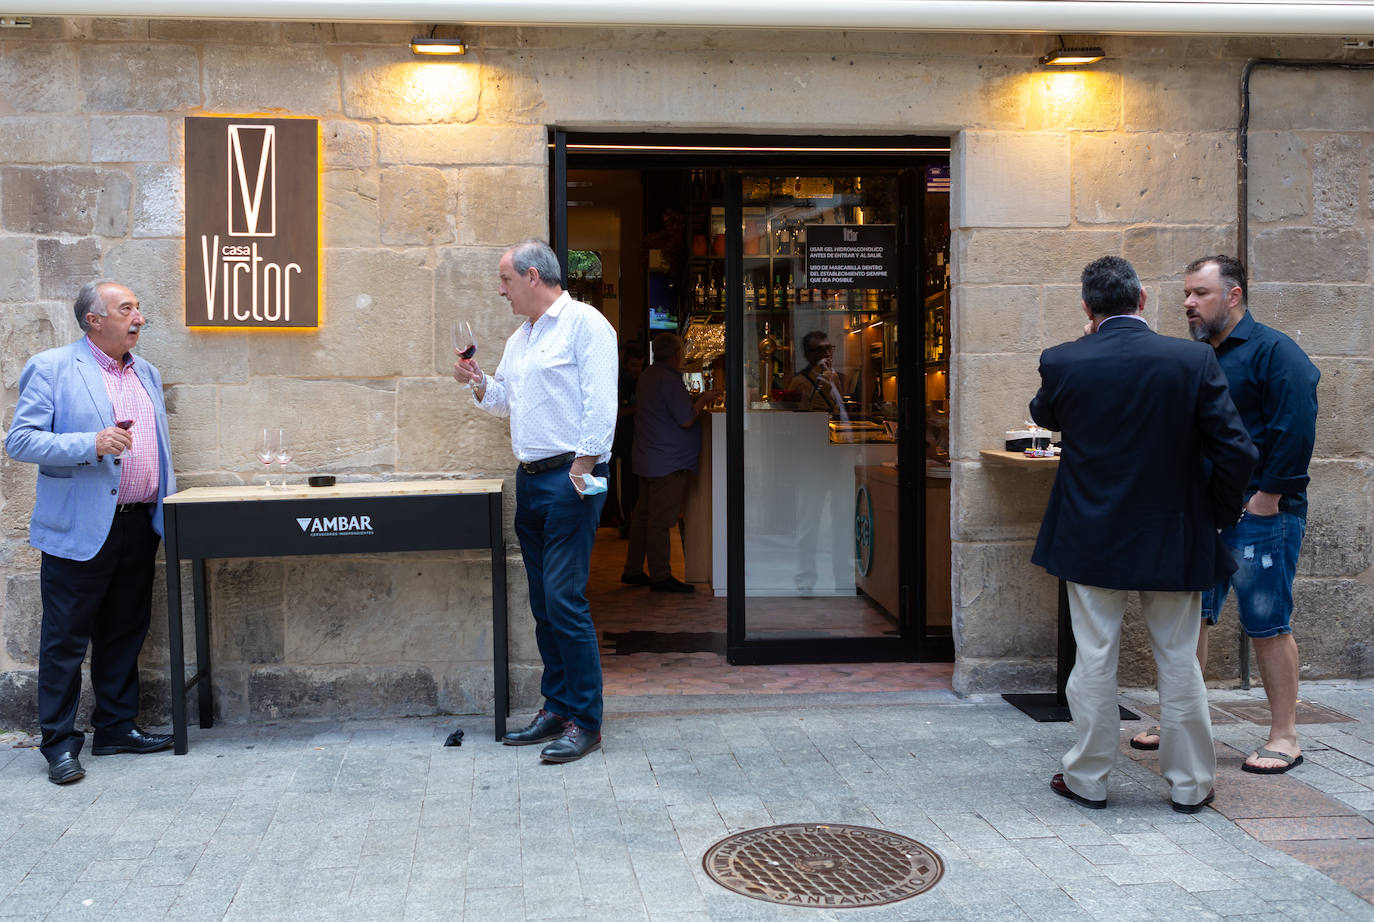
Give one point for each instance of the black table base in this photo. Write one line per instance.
(1053, 707)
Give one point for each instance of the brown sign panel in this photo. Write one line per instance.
(252, 222)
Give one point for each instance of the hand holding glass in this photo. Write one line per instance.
(126, 424)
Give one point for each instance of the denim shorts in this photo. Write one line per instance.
(1265, 548)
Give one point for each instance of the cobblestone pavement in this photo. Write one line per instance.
(369, 820)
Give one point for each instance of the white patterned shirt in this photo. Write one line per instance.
(557, 383)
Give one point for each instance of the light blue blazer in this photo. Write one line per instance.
(62, 405)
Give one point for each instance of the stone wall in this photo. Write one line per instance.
(430, 168)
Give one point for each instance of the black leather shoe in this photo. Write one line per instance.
(545, 726)
(572, 745)
(635, 579)
(135, 741)
(65, 768)
(1059, 787)
(671, 585)
(1193, 808)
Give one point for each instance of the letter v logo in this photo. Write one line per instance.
(252, 184)
(304, 523)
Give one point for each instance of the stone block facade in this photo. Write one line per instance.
(429, 169)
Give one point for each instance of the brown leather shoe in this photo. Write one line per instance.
(1059, 787)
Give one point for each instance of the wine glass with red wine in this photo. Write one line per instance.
(464, 341)
(126, 425)
(266, 450)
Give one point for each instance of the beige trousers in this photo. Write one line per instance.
(1187, 759)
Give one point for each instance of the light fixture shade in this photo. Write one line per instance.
(1072, 57)
(437, 46)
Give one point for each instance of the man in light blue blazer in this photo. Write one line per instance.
(92, 418)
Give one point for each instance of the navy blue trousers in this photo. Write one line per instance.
(556, 527)
(104, 603)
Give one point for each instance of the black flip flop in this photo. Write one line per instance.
(1149, 747)
(1292, 762)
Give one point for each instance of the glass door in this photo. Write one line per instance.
(820, 276)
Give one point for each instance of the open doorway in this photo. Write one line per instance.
(716, 249)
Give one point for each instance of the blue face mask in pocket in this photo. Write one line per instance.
(590, 485)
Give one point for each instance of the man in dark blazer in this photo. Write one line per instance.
(92, 418)
(1154, 462)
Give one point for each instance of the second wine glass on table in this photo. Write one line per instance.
(464, 341)
(283, 453)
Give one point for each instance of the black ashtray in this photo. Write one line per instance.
(321, 480)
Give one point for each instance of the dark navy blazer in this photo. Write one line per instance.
(1144, 418)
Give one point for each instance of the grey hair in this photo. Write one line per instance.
(666, 346)
(539, 255)
(89, 300)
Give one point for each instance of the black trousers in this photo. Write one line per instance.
(104, 603)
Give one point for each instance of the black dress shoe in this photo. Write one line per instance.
(572, 745)
(635, 579)
(671, 585)
(1193, 808)
(1059, 787)
(135, 741)
(65, 768)
(545, 726)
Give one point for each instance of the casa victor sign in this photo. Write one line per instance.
(252, 222)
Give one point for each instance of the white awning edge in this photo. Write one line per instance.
(1337, 18)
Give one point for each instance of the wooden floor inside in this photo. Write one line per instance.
(659, 643)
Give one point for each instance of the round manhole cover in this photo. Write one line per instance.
(824, 865)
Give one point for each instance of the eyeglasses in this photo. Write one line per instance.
(826, 348)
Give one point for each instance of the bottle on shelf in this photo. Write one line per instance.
(699, 295)
(712, 296)
(768, 359)
(779, 294)
(749, 303)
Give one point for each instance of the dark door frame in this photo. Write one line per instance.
(736, 155)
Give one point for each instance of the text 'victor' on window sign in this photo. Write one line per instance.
(851, 255)
(252, 222)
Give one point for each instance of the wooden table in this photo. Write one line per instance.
(348, 518)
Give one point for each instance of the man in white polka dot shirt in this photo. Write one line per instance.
(557, 383)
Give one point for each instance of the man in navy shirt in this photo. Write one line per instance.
(1274, 386)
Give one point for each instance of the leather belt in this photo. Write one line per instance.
(132, 507)
(547, 464)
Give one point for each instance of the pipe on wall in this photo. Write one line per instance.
(1123, 17)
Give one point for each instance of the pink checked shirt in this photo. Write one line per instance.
(138, 475)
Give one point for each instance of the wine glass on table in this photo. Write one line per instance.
(267, 450)
(464, 341)
(282, 453)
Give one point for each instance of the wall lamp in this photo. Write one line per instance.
(437, 46)
(1072, 57)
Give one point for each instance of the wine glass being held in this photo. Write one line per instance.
(465, 347)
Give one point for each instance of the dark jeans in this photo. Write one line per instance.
(556, 527)
(104, 603)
